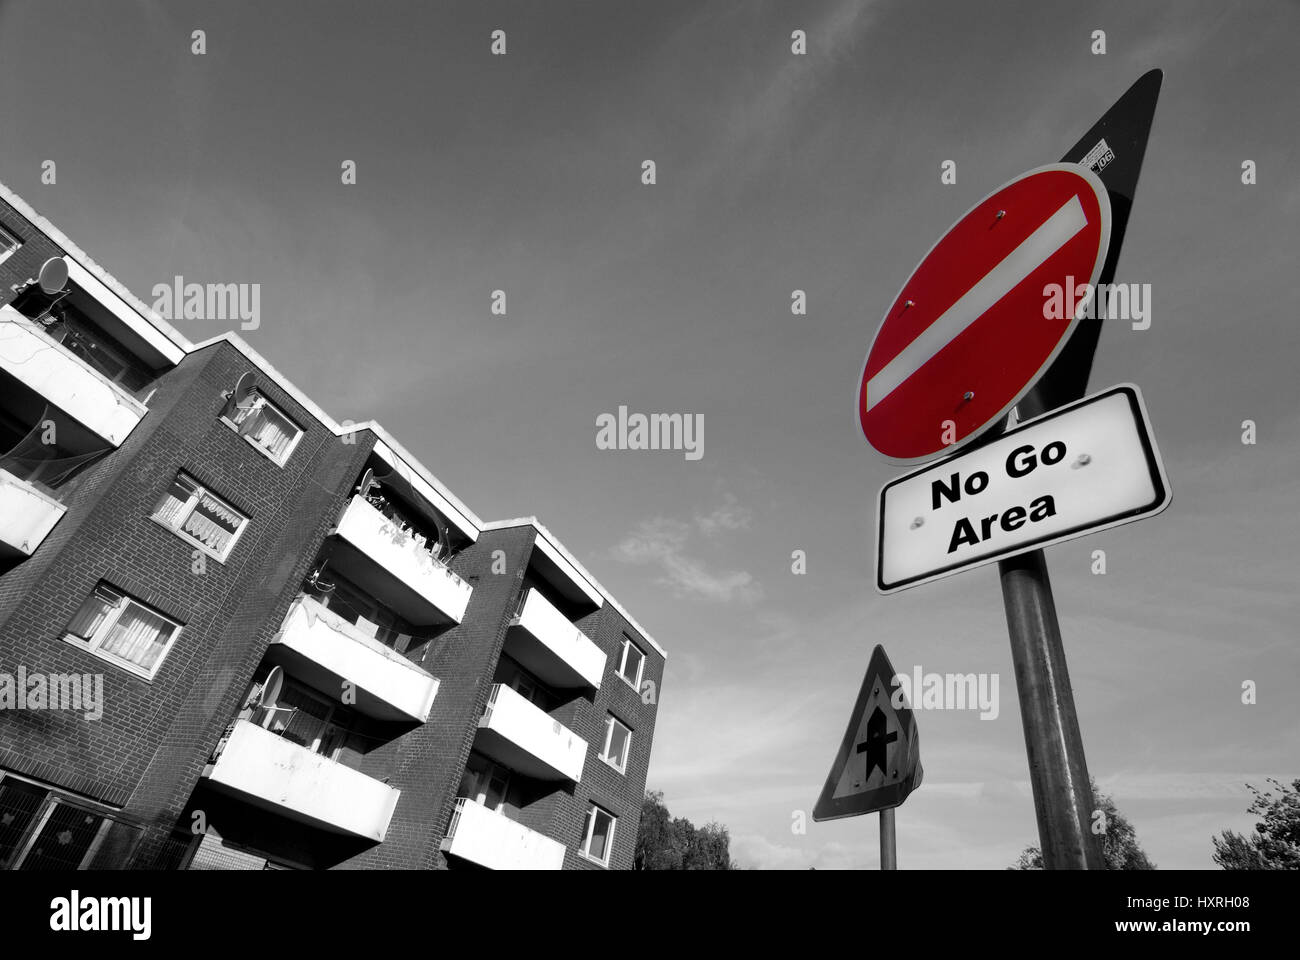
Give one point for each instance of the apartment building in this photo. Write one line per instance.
(309, 652)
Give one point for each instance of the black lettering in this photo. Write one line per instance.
(1013, 519)
(1042, 508)
(953, 492)
(1050, 458)
(1019, 470)
(963, 532)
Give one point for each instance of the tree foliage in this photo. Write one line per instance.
(1275, 844)
(1119, 844)
(665, 842)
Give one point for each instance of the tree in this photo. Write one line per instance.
(658, 844)
(667, 843)
(1275, 844)
(1120, 849)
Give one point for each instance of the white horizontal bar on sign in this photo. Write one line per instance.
(1053, 234)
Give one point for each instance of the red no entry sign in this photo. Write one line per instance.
(967, 336)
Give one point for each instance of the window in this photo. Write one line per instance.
(265, 426)
(8, 244)
(632, 663)
(308, 719)
(598, 838)
(121, 630)
(510, 674)
(41, 830)
(87, 340)
(369, 616)
(194, 514)
(489, 784)
(618, 743)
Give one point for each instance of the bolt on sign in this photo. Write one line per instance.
(1080, 468)
(967, 336)
(879, 760)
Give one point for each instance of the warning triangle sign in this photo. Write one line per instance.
(879, 761)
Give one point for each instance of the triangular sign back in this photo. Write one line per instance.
(879, 760)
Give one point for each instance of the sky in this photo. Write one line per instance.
(774, 172)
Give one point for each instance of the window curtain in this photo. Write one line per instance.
(267, 429)
(305, 723)
(212, 523)
(94, 612)
(138, 637)
(173, 503)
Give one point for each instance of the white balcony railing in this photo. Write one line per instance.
(424, 588)
(65, 380)
(26, 515)
(550, 646)
(330, 651)
(278, 775)
(526, 738)
(493, 840)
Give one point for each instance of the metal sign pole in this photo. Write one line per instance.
(888, 841)
(1057, 768)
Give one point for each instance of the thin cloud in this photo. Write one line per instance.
(666, 542)
(730, 516)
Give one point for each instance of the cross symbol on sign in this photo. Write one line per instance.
(876, 746)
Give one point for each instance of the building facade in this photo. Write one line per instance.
(235, 633)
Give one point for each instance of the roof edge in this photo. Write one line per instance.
(564, 552)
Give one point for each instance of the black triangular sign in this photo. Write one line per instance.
(1113, 149)
(879, 760)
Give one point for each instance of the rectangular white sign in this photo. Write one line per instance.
(1087, 466)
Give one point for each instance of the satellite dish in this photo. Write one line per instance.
(237, 398)
(53, 277)
(272, 688)
(243, 387)
(367, 482)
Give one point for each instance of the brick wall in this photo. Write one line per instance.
(428, 762)
(149, 747)
(147, 752)
(618, 793)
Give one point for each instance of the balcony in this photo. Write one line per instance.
(325, 651)
(26, 516)
(277, 775)
(382, 558)
(65, 380)
(525, 738)
(544, 641)
(493, 840)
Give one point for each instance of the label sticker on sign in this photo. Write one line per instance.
(1099, 157)
(1087, 466)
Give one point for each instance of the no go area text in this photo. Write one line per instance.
(1020, 462)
